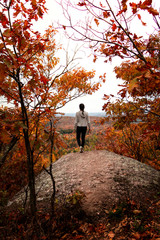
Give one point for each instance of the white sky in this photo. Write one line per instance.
(94, 102)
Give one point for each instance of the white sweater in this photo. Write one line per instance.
(82, 119)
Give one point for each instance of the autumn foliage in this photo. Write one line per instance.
(34, 86)
(112, 31)
(137, 108)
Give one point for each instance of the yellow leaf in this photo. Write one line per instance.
(133, 84)
(136, 212)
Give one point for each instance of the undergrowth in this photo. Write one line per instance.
(127, 220)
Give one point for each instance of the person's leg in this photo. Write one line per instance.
(78, 136)
(84, 130)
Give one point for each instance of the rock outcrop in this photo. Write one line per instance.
(104, 177)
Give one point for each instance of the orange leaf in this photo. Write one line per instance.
(96, 21)
(139, 16)
(105, 97)
(136, 235)
(111, 235)
(133, 84)
(144, 24)
(44, 237)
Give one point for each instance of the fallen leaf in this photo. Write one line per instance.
(111, 235)
(158, 203)
(136, 235)
(137, 211)
(106, 211)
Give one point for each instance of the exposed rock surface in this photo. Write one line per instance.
(104, 177)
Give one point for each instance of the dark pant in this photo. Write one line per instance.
(81, 133)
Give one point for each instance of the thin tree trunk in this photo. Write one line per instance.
(31, 175)
(51, 174)
(9, 148)
(51, 137)
(30, 165)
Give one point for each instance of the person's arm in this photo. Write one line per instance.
(75, 123)
(88, 122)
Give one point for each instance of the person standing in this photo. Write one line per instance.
(82, 121)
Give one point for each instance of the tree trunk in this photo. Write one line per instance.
(51, 139)
(51, 161)
(30, 165)
(31, 175)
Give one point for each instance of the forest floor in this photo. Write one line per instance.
(127, 221)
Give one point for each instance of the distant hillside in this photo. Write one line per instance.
(95, 114)
(67, 122)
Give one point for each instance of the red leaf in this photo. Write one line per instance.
(3, 19)
(134, 7)
(44, 80)
(106, 14)
(153, 11)
(147, 2)
(114, 27)
(81, 4)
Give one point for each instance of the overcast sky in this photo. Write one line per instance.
(94, 102)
